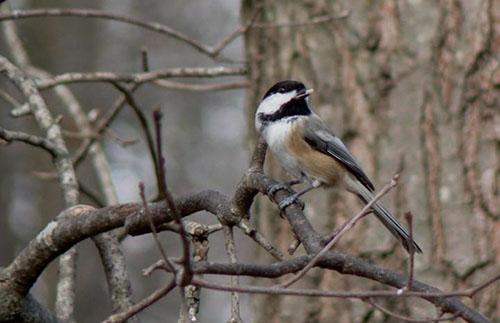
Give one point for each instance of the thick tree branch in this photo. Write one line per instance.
(107, 243)
(80, 222)
(66, 174)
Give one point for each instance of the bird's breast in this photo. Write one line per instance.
(315, 164)
(277, 136)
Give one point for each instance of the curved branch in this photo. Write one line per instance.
(107, 243)
(32, 140)
(80, 222)
(66, 174)
(92, 13)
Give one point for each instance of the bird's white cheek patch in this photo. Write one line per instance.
(272, 103)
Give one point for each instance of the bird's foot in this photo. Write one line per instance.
(293, 199)
(279, 187)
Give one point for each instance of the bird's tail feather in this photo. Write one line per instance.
(397, 230)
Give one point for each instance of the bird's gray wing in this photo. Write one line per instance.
(320, 138)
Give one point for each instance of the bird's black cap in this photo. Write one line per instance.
(284, 87)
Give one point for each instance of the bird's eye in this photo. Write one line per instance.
(281, 90)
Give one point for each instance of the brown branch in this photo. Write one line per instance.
(185, 275)
(343, 229)
(129, 98)
(213, 52)
(313, 243)
(409, 319)
(159, 160)
(80, 222)
(136, 308)
(236, 33)
(247, 228)
(101, 126)
(363, 294)
(152, 225)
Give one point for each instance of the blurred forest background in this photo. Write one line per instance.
(407, 84)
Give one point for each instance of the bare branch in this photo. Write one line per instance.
(185, 275)
(92, 13)
(342, 230)
(101, 126)
(66, 174)
(409, 319)
(139, 78)
(45, 144)
(313, 244)
(328, 293)
(152, 225)
(129, 97)
(231, 252)
(172, 85)
(136, 308)
(252, 232)
(199, 237)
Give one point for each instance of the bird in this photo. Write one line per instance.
(310, 152)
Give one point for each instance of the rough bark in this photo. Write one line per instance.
(402, 83)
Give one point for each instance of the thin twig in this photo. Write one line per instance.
(236, 33)
(152, 225)
(231, 252)
(144, 60)
(136, 308)
(184, 277)
(172, 85)
(409, 319)
(364, 294)
(92, 13)
(139, 78)
(342, 230)
(101, 126)
(129, 97)
(160, 162)
(9, 99)
(35, 141)
(249, 229)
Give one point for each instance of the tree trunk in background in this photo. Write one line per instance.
(406, 84)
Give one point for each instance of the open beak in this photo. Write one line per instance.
(305, 94)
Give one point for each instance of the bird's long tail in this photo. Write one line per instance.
(387, 219)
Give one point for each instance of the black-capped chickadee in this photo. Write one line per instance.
(311, 152)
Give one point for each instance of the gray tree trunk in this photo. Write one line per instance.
(406, 84)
